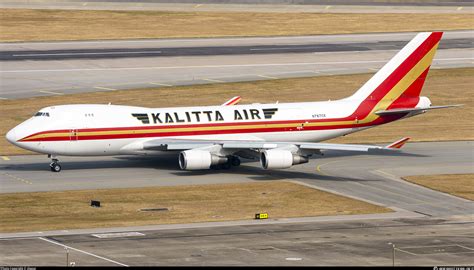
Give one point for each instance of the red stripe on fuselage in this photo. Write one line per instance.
(378, 121)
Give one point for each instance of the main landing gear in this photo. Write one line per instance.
(231, 161)
(54, 165)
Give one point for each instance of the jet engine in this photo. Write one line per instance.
(199, 159)
(280, 159)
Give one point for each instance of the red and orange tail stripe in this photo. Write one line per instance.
(232, 101)
(398, 144)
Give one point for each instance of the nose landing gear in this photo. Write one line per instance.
(54, 165)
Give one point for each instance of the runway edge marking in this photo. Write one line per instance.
(82, 251)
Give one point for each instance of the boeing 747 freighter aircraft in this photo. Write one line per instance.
(280, 134)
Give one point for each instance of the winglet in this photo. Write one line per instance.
(232, 101)
(398, 144)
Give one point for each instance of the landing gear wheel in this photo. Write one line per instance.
(235, 161)
(55, 167)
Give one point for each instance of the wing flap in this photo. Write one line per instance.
(339, 147)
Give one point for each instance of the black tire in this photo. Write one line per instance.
(235, 161)
(56, 167)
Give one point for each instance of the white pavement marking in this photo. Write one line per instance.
(84, 53)
(160, 84)
(215, 66)
(465, 247)
(293, 259)
(49, 92)
(104, 88)
(117, 235)
(82, 251)
(402, 250)
(213, 80)
(267, 77)
(283, 48)
(18, 178)
(3, 98)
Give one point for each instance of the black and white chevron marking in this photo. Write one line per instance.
(142, 117)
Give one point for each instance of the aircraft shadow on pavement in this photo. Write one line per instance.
(249, 168)
(259, 174)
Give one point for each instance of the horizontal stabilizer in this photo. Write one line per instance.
(398, 144)
(232, 101)
(413, 110)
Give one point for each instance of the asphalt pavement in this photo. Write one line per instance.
(58, 68)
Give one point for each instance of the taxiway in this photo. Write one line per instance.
(374, 178)
(58, 68)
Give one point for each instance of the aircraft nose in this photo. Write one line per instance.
(11, 136)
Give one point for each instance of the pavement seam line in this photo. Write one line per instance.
(82, 251)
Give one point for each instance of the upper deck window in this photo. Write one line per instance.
(42, 114)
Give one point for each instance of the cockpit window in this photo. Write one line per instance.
(42, 114)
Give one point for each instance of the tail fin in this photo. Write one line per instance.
(398, 84)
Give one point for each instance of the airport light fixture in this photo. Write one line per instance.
(393, 253)
(67, 256)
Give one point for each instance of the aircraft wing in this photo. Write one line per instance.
(179, 145)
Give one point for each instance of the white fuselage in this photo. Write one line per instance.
(69, 125)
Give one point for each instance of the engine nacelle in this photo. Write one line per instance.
(280, 159)
(199, 160)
